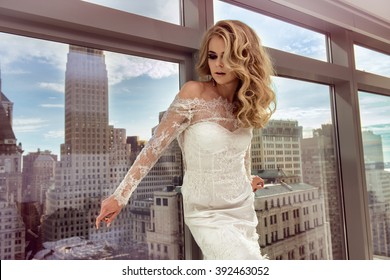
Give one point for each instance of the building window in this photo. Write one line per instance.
(375, 122)
(368, 60)
(153, 8)
(56, 154)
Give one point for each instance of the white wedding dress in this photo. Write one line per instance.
(217, 194)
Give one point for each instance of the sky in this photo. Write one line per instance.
(33, 75)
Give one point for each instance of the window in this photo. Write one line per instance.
(167, 10)
(275, 33)
(375, 122)
(372, 61)
(345, 39)
(49, 90)
(303, 124)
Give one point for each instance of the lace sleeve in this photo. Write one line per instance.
(248, 165)
(175, 120)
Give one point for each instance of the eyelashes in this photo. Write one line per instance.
(212, 56)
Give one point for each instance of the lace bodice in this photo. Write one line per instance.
(181, 114)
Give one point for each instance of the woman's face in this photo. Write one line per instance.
(220, 73)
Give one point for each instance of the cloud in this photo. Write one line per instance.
(55, 134)
(161, 10)
(28, 124)
(276, 33)
(15, 48)
(15, 71)
(374, 109)
(52, 105)
(310, 118)
(58, 87)
(121, 67)
(372, 61)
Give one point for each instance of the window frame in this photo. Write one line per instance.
(73, 22)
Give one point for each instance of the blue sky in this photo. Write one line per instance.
(33, 74)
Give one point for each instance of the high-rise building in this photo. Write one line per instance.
(168, 170)
(378, 189)
(319, 169)
(136, 143)
(373, 150)
(277, 146)
(12, 230)
(38, 175)
(93, 158)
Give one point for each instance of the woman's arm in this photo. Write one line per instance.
(175, 120)
(256, 182)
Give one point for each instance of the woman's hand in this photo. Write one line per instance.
(257, 183)
(108, 211)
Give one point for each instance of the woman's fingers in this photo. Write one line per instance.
(100, 218)
(257, 183)
(108, 212)
(110, 217)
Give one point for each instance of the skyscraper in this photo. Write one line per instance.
(277, 146)
(12, 230)
(319, 167)
(93, 155)
(378, 190)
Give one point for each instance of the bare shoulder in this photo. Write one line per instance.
(192, 90)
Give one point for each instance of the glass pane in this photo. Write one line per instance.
(81, 116)
(372, 61)
(299, 210)
(276, 33)
(165, 10)
(375, 122)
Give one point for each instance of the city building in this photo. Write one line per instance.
(166, 172)
(292, 222)
(38, 175)
(277, 146)
(319, 169)
(331, 62)
(12, 230)
(165, 237)
(378, 188)
(94, 157)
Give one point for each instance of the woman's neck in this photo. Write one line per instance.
(227, 91)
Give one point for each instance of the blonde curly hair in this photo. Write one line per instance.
(255, 99)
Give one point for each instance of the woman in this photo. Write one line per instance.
(213, 121)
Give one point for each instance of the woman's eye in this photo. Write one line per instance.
(212, 56)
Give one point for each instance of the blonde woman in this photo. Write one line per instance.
(213, 121)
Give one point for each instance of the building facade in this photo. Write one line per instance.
(12, 230)
(292, 222)
(319, 169)
(94, 157)
(277, 146)
(165, 236)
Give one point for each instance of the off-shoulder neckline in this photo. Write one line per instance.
(202, 100)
